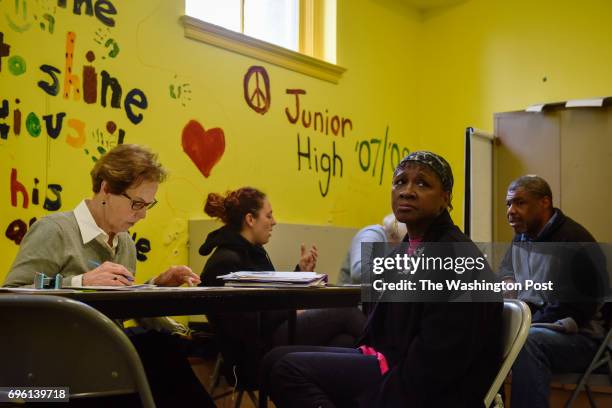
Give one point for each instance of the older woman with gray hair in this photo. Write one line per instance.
(390, 231)
(91, 246)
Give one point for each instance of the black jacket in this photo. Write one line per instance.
(581, 268)
(233, 253)
(440, 354)
(240, 341)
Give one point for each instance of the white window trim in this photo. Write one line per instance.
(208, 33)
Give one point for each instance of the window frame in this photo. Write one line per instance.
(311, 42)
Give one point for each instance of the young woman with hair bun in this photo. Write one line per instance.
(247, 215)
(238, 246)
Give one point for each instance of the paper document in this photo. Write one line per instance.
(102, 287)
(34, 290)
(273, 278)
(146, 286)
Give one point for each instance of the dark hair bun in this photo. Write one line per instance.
(215, 207)
(236, 204)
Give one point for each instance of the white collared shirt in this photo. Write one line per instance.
(89, 231)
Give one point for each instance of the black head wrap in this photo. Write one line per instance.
(433, 161)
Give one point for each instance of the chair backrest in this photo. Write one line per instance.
(516, 321)
(55, 341)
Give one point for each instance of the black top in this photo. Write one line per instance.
(233, 253)
(584, 265)
(439, 354)
(244, 337)
(564, 229)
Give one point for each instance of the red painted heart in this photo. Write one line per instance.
(204, 147)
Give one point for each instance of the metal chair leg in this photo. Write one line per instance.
(590, 396)
(263, 399)
(238, 399)
(215, 376)
(253, 397)
(598, 360)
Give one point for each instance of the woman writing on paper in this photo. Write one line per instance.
(238, 246)
(90, 246)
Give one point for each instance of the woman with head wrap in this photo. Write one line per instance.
(411, 354)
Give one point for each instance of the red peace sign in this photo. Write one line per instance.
(258, 100)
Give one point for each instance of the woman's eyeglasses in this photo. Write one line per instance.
(138, 204)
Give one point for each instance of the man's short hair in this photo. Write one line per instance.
(534, 185)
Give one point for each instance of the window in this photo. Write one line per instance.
(296, 34)
(224, 13)
(273, 21)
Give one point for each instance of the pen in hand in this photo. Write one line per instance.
(96, 264)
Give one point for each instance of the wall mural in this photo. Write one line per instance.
(372, 154)
(204, 147)
(180, 91)
(110, 47)
(74, 77)
(23, 197)
(319, 131)
(256, 85)
(329, 145)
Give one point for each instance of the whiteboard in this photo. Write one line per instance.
(478, 208)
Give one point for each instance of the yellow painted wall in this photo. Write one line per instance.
(377, 43)
(483, 57)
(427, 77)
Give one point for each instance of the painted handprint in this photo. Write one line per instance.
(180, 92)
(103, 38)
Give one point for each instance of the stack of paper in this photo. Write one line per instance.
(102, 287)
(275, 279)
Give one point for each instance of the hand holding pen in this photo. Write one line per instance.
(108, 274)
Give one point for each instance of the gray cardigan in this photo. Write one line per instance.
(54, 245)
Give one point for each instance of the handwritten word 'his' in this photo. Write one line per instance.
(17, 229)
(18, 188)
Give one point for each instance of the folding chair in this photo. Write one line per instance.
(205, 333)
(215, 382)
(516, 320)
(599, 371)
(53, 342)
